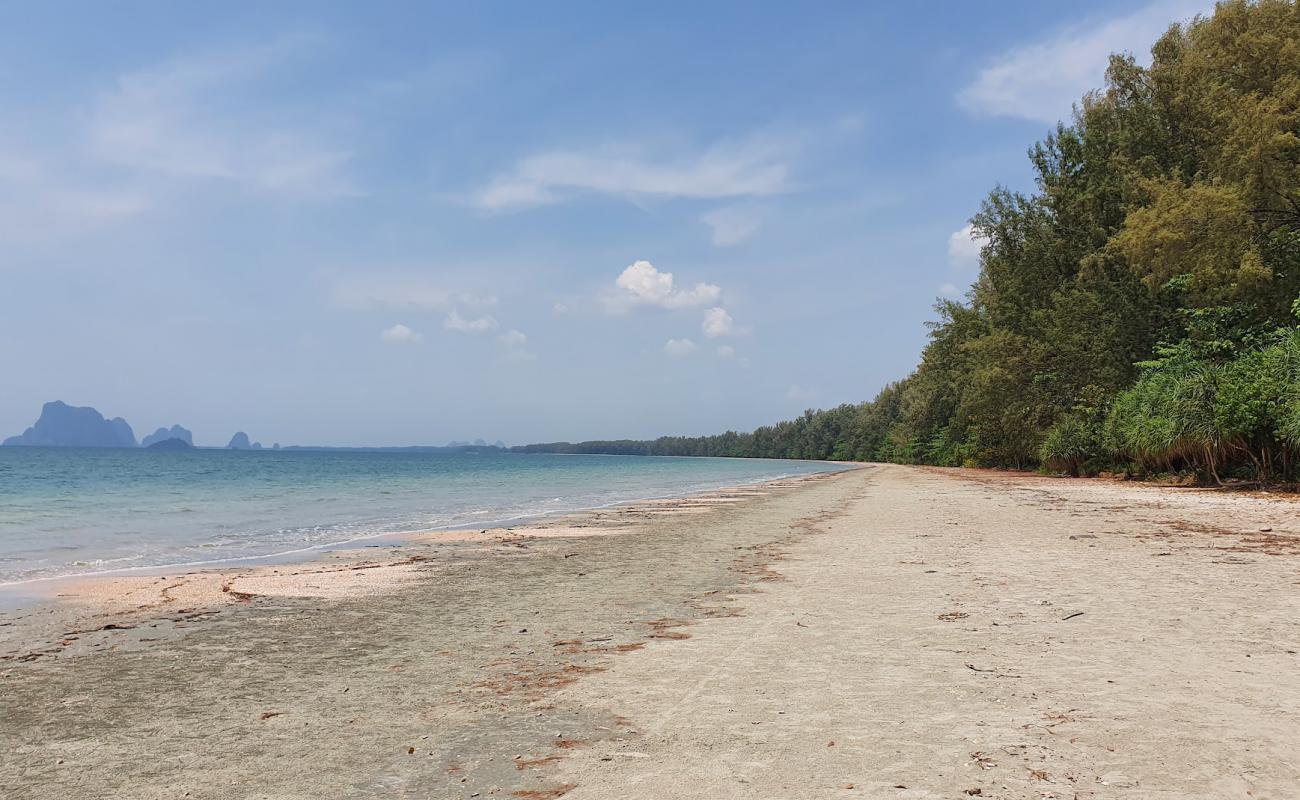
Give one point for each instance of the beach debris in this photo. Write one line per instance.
(951, 616)
(983, 760)
(545, 794)
(1072, 616)
(269, 714)
(410, 751)
(662, 628)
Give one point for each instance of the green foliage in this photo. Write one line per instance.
(1167, 418)
(1075, 442)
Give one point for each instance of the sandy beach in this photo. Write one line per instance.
(889, 631)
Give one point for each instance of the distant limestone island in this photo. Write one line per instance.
(163, 435)
(62, 425)
(454, 444)
(240, 442)
(169, 444)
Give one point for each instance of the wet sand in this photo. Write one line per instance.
(885, 632)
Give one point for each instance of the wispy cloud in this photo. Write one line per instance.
(132, 148)
(726, 351)
(732, 225)
(641, 284)
(399, 292)
(513, 338)
(753, 168)
(474, 327)
(680, 348)
(201, 116)
(41, 203)
(516, 346)
(800, 394)
(400, 334)
(1041, 80)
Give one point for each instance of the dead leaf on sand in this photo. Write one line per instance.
(545, 794)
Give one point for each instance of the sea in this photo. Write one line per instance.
(72, 511)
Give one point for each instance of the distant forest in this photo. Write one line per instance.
(1137, 312)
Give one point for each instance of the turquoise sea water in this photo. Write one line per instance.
(72, 511)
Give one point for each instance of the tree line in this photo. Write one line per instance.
(1137, 311)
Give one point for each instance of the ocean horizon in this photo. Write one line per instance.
(80, 511)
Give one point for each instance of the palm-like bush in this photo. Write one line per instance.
(1167, 419)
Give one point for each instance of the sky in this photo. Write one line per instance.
(408, 223)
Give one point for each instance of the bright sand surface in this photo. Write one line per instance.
(889, 632)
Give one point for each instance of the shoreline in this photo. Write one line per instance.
(11, 589)
(383, 564)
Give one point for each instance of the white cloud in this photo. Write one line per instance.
(513, 338)
(560, 308)
(1040, 81)
(400, 334)
(964, 246)
(751, 169)
(200, 117)
(726, 351)
(680, 347)
(643, 285)
(516, 345)
(717, 322)
(733, 224)
(949, 289)
(417, 294)
(475, 327)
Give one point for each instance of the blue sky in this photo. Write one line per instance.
(340, 225)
